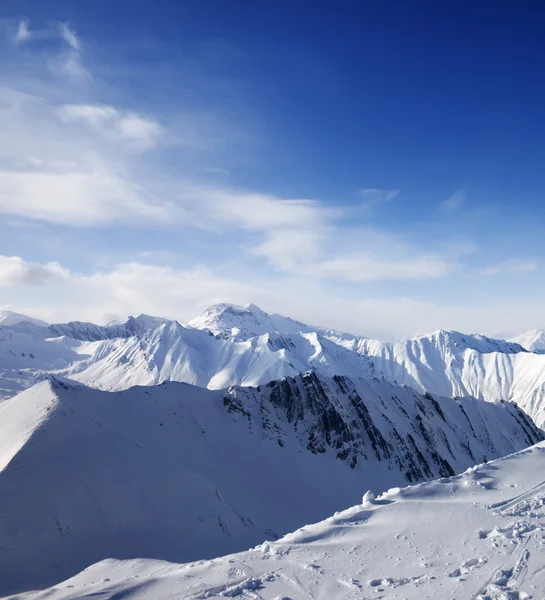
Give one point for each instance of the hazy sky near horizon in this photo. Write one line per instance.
(371, 166)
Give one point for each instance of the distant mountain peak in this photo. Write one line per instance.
(240, 323)
(473, 341)
(9, 317)
(533, 339)
(85, 331)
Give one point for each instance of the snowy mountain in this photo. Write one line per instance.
(8, 317)
(531, 340)
(443, 362)
(241, 323)
(149, 350)
(177, 472)
(230, 345)
(478, 535)
(454, 364)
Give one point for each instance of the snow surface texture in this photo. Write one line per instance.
(178, 472)
(478, 535)
(230, 345)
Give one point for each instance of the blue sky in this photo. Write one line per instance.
(375, 167)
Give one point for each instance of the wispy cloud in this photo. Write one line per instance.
(70, 36)
(70, 65)
(82, 198)
(454, 202)
(514, 265)
(373, 196)
(23, 32)
(67, 63)
(75, 164)
(354, 255)
(366, 268)
(139, 131)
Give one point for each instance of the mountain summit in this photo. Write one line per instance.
(239, 323)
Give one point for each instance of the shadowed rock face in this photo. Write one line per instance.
(420, 435)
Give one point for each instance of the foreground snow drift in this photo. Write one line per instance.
(478, 535)
(178, 472)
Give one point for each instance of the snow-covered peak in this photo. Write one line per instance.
(534, 339)
(143, 321)
(230, 321)
(462, 341)
(8, 318)
(241, 323)
(89, 332)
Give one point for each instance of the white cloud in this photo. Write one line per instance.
(131, 288)
(54, 172)
(454, 202)
(514, 265)
(355, 255)
(135, 287)
(138, 129)
(254, 211)
(288, 249)
(95, 197)
(69, 36)
(95, 114)
(58, 30)
(298, 237)
(15, 271)
(373, 196)
(142, 132)
(361, 268)
(23, 32)
(70, 65)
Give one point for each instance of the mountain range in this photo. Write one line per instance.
(229, 345)
(180, 442)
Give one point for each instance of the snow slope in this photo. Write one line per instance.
(478, 535)
(180, 473)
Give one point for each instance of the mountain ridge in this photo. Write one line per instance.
(231, 345)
